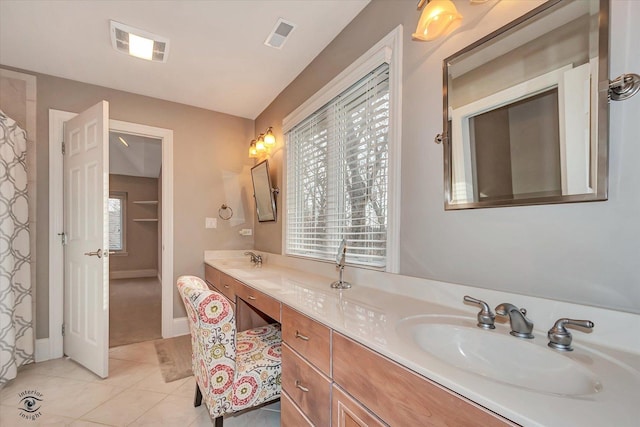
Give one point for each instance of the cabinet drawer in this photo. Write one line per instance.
(228, 286)
(347, 412)
(399, 396)
(291, 415)
(212, 275)
(309, 389)
(257, 299)
(309, 338)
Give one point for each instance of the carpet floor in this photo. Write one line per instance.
(174, 355)
(135, 310)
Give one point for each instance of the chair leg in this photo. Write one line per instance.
(218, 421)
(197, 401)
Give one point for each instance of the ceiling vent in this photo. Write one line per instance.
(279, 34)
(139, 43)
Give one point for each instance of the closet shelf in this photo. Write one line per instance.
(146, 220)
(145, 202)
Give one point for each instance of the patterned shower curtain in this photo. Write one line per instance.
(16, 328)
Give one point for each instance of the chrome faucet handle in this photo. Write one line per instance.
(521, 327)
(256, 259)
(486, 318)
(560, 338)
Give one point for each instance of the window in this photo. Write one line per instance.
(117, 210)
(339, 160)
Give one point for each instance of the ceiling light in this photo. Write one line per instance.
(140, 47)
(139, 43)
(439, 17)
(123, 141)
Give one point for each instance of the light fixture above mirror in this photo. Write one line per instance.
(263, 144)
(438, 18)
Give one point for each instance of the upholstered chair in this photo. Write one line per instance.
(233, 370)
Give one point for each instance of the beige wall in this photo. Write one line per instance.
(141, 237)
(584, 253)
(206, 144)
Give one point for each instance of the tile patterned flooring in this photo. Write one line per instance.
(134, 395)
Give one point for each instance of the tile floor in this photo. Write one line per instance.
(134, 395)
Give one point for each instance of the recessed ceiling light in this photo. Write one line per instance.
(139, 43)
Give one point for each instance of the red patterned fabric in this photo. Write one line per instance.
(233, 371)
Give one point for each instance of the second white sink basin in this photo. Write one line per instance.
(498, 356)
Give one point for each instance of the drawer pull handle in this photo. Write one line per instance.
(302, 337)
(227, 286)
(301, 387)
(252, 298)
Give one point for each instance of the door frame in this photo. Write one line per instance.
(56, 252)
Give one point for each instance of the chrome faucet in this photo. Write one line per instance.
(340, 263)
(485, 317)
(560, 338)
(256, 259)
(521, 327)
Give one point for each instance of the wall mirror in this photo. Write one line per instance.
(526, 110)
(263, 193)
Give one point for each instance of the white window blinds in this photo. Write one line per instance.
(337, 175)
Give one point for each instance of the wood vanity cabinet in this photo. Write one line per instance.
(306, 370)
(399, 396)
(220, 282)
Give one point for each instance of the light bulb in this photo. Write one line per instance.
(438, 18)
(269, 138)
(260, 143)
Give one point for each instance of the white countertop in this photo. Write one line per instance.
(371, 315)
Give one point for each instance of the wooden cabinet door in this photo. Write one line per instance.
(347, 412)
(307, 387)
(309, 338)
(291, 415)
(399, 396)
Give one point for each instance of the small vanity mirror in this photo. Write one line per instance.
(263, 193)
(526, 110)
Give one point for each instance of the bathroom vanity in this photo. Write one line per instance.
(387, 351)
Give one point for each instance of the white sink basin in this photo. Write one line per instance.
(498, 356)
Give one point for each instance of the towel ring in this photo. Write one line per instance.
(225, 208)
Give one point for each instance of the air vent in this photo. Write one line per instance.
(139, 43)
(279, 35)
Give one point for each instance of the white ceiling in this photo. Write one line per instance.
(217, 59)
(143, 156)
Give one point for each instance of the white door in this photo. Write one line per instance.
(86, 262)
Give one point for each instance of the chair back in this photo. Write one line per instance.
(213, 340)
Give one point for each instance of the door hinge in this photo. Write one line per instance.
(64, 148)
(63, 238)
(63, 329)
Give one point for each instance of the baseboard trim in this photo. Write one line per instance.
(133, 274)
(42, 350)
(180, 326)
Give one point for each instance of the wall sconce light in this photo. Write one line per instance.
(253, 151)
(439, 17)
(269, 138)
(262, 144)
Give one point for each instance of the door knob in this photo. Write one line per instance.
(97, 253)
